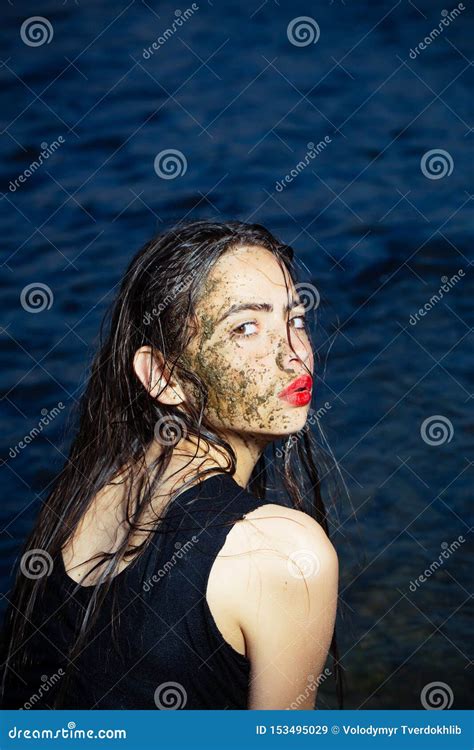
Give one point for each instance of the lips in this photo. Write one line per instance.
(299, 391)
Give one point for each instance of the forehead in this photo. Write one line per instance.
(247, 272)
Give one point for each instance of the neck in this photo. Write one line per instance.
(189, 458)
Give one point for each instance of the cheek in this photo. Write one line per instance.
(222, 372)
(254, 365)
(239, 387)
(255, 350)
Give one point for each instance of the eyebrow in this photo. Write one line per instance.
(265, 306)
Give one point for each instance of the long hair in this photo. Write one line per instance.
(118, 418)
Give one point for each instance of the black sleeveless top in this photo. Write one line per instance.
(171, 653)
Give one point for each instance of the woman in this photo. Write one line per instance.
(159, 574)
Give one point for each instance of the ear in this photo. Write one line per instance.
(150, 368)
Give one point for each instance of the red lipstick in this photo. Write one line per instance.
(298, 393)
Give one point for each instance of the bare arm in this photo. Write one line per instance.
(288, 606)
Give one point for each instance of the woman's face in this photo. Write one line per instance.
(245, 357)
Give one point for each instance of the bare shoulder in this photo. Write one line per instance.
(280, 529)
(284, 601)
(270, 545)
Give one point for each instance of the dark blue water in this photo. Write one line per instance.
(374, 232)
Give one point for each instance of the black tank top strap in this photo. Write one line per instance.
(196, 524)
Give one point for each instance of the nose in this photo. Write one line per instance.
(294, 351)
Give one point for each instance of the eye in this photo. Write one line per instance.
(302, 318)
(237, 331)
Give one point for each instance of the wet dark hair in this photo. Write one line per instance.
(118, 418)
